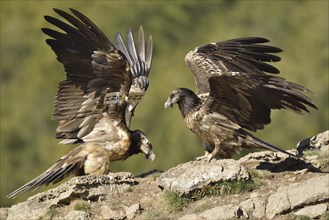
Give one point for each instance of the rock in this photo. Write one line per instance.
(191, 217)
(290, 197)
(3, 213)
(74, 214)
(253, 208)
(89, 188)
(276, 162)
(313, 211)
(108, 213)
(259, 208)
(282, 187)
(133, 210)
(263, 156)
(247, 207)
(222, 212)
(185, 178)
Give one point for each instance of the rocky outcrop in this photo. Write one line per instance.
(261, 185)
(298, 195)
(186, 178)
(84, 188)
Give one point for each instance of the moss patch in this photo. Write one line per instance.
(323, 159)
(82, 206)
(172, 202)
(200, 207)
(325, 216)
(52, 212)
(153, 214)
(260, 174)
(224, 188)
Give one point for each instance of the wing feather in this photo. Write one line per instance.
(141, 44)
(233, 73)
(94, 29)
(242, 55)
(247, 99)
(140, 64)
(149, 53)
(95, 70)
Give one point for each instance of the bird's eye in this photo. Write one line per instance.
(172, 96)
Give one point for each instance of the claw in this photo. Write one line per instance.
(209, 157)
(200, 158)
(204, 157)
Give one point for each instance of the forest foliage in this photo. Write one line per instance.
(30, 74)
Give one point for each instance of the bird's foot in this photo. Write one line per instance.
(200, 158)
(210, 157)
(207, 157)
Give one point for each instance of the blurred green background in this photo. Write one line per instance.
(30, 73)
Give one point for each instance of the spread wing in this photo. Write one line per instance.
(232, 77)
(140, 63)
(247, 99)
(98, 78)
(242, 55)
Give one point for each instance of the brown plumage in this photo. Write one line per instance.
(96, 101)
(234, 93)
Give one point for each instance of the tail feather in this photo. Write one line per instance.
(68, 165)
(253, 141)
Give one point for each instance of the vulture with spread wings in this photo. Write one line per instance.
(95, 103)
(234, 93)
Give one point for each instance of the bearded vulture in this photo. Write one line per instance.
(235, 93)
(94, 105)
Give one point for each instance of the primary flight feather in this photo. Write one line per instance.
(235, 93)
(96, 101)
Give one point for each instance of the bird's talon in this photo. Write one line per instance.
(209, 158)
(200, 158)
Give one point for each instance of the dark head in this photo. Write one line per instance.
(140, 144)
(186, 100)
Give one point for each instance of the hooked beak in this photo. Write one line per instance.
(146, 149)
(150, 155)
(168, 103)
